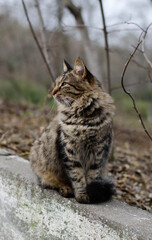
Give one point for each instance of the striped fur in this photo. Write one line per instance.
(72, 153)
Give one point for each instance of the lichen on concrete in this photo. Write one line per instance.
(44, 217)
(29, 213)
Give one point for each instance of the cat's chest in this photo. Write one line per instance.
(81, 135)
(83, 131)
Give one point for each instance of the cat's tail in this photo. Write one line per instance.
(101, 190)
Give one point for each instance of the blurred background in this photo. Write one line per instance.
(23, 74)
(75, 28)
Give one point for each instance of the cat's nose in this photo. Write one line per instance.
(54, 91)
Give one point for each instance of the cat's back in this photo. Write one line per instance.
(44, 148)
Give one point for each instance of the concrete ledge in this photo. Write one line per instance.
(28, 212)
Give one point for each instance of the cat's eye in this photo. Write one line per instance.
(63, 84)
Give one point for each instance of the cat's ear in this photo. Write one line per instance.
(80, 68)
(66, 66)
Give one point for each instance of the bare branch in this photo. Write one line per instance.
(88, 46)
(44, 37)
(132, 23)
(143, 35)
(106, 47)
(129, 85)
(37, 42)
(149, 75)
(148, 69)
(139, 50)
(124, 30)
(81, 26)
(128, 93)
(76, 12)
(138, 64)
(101, 29)
(143, 46)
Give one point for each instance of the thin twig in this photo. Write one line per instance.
(143, 47)
(98, 28)
(106, 47)
(139, 65)
(4, 135)
(129, 94)
(129, 85)
(132, 23)
(37, 42)
(149, 75)
(139, 50)
(144, 34)
(124, 30)
(44, 37)
(80, 26)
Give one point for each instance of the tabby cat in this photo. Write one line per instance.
(73, 151)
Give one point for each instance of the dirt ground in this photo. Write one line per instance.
(131, 166)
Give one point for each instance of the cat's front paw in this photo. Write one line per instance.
(83, 198)
(66, 191)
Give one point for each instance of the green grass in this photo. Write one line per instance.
(24, 91)
(126, 114)
(125, 105)
(21, 90)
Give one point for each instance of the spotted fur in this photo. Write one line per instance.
(72, 153)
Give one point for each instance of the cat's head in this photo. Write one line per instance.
(74, 83)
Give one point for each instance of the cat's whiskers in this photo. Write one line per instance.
(51, 109)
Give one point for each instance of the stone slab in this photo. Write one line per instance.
(28, 212)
